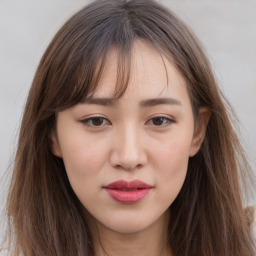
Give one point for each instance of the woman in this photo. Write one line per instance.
(126, 145)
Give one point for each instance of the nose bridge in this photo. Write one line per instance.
(129, 146)
(128, 151)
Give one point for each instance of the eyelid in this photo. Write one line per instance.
(88, 121)
(168, 119)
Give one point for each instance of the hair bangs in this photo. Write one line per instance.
(76, 69)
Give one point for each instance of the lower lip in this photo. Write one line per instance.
(128, 196)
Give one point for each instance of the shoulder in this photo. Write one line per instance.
(250, 212)
(254, 222)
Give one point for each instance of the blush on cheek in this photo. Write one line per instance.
(82, 164)
(177, 151)
(174, 160)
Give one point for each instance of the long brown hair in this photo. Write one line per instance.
(45, 216)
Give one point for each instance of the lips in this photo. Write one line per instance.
(128, 192)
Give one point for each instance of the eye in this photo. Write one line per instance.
(160, 121)
(96, 121)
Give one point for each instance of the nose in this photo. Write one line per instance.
(128, 151)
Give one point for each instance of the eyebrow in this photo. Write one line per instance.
(100, 101)
(159, 101)
(143, 103)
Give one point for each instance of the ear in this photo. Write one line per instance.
(200, 130)
(55, 145)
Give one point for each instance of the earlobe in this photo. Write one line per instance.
(55, 145)
(200, 130)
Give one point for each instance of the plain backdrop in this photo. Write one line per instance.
(226, 28)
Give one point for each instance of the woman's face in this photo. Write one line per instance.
(127, 159)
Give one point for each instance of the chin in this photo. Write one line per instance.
(134, 223)
(127, 227)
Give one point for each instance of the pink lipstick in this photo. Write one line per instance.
(128, 192)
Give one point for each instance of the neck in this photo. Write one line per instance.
(151, 241)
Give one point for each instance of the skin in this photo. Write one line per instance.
(129, 142)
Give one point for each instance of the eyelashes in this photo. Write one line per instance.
(96, 121)
(160, 121)
(100, 122)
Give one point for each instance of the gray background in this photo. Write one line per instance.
(226, 28)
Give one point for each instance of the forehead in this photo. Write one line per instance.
(151, 74)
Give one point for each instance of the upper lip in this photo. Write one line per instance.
(122, 184)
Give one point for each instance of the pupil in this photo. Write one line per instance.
(97, 121)
(158, 121)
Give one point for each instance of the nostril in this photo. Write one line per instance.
(128, 156)
(125, 167)
(128, 167)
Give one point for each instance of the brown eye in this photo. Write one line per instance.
(95, 121)
(160, 121)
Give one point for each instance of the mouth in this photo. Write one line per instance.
(128, 192)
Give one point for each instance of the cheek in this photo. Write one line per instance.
(173, 151)
(83, 162)
(171, 164)
(82, 158)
